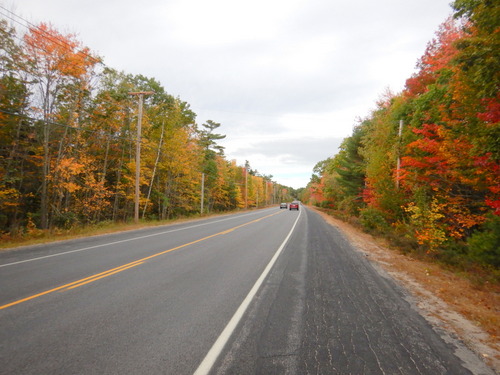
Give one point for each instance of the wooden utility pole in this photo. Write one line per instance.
(398, 163)
(265, 194)
(202, 192)
(138, 152)
(246, 187)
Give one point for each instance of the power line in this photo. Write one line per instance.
(44, 34)
(53, 38)
(61, 42)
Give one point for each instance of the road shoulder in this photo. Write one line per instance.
(447, 301)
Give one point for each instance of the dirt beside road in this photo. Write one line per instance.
(448, 301)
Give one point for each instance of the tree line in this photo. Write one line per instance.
(423, 168)
(68, 129)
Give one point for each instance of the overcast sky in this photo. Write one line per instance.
(287, 79)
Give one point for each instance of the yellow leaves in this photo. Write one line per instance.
(463, 218)
(436, 221)
(31, 228)
(94, 198)
(9, 198)
(64, 173)
(426, 221)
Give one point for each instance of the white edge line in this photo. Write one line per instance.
(121, 241)
(213, 354)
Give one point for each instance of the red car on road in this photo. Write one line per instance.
(293, 206)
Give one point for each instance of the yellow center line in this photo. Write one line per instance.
(124, 267)
(103, 276)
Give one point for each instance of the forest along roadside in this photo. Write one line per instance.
(446, 300)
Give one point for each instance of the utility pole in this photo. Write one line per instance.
(246, 187)
(398, 163)
(265, 194)
(138, 151)
(202, 192)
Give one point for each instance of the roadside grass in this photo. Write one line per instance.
(39, 236)
(35, 236)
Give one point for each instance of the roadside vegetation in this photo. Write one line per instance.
(423, 169)
(68, 140)
(34, 236)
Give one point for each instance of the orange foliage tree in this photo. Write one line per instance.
(60, 67)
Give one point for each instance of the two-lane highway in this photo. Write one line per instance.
(261, 292)
(150, 301)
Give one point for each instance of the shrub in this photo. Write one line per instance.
(426, 221)
(65, 220)
(484, 245)
(373, 220)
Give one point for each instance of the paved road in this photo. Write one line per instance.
(264, 292)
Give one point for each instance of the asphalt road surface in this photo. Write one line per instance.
(262, 292)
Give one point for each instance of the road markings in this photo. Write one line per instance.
(122, 241)
(96, 277)
(74, 283)
(206, 365)
(124, 267)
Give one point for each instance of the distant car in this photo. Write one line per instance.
(283, 205)
(294, 206)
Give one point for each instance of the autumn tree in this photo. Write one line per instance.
(445, 197)
(349, 171)
(59, 66)
(67, 136)
(208, 141)
(175, 176)
(16, 139)
(446, 162)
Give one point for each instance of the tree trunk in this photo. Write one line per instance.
(160, 143)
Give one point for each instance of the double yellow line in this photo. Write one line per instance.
(98, 276)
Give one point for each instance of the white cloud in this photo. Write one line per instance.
(219, 23)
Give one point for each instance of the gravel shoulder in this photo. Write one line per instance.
(446, 300)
